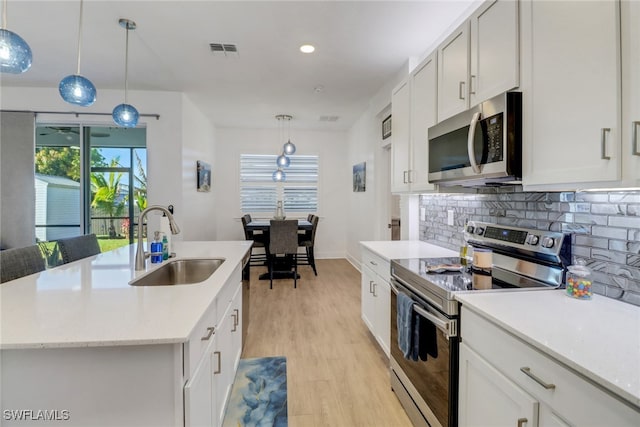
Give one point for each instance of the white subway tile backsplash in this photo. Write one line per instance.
(605, 227)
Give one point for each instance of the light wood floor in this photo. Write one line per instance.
(336, 373)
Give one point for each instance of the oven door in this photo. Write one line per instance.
(428, 390)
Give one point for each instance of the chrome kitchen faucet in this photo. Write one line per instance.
(141, 255)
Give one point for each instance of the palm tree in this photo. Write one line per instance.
(106, 195)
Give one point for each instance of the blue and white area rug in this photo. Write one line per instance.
(259, 394)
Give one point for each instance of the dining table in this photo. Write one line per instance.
(263, 225)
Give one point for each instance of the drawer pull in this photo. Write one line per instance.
(218, 370)
(527, 371)
(237, 316)
(210, 331)
(373, 263)
(235, 322)
(374, 289)
(522, 421)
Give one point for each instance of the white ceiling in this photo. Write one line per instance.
(360, 45)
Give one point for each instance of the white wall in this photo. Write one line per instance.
(198, 143)
(334, 186)
(165, 168)
(369, 212)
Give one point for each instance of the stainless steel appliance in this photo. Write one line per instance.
(522, 258)
(480, 146)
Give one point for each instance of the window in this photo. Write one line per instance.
(89, 180)
(259, 193)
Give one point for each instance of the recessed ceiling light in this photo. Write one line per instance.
(307, 48)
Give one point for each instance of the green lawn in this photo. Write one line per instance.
(107, 244)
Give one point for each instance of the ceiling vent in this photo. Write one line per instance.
(223, 48)
(329, 118)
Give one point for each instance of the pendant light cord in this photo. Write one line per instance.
(126, 65)
(79, 37)
(4, 14)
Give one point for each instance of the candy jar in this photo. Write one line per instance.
(579, 281)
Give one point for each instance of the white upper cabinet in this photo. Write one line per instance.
(480, 59)
(495, 50)
(571, 83)
(630, 14)
(400, 136)
(453, 73)
(414, 110)
(424, 114)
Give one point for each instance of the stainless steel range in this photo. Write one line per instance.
(521, 258)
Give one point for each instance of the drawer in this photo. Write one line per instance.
(381, 266)
(571, 395)
(199, 339)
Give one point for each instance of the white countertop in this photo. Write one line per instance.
(90, 303)
(599, 338)
(403, 249)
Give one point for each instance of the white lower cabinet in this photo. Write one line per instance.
(488, 398)
(505, 381)
(376, 298)
(199, 393)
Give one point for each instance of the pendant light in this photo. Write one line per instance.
(279, 175)
(282, 160)
(74, 88)
(288, 147)
(15, 53)
(126, 115)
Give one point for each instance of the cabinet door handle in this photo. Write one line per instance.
(404, 177)
(370, 283)
(410, 181)
(634, 138)
(527, 372)
(210, 331)
(374, 289)
(235, 322)
(460, 90)
(603, 143)
(237, 316)
(218, 370)
(522, 421)
(471, 91)
(373, 263)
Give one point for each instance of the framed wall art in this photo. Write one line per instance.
(386, 127)
(360, 177)
(204, 176)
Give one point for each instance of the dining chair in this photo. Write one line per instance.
(75, 248)
(283, 240)
(19, 262)
(307, 240)
(255, 259)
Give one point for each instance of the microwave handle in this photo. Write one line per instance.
(470, 147)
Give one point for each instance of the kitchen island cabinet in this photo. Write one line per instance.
(560, 364)
(79, 342)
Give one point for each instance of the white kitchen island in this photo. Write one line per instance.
(82, 347)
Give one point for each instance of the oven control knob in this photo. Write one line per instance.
(548, 242)
(533, 239)
(479, 231)
(470, 229)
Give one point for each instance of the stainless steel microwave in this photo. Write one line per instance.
(479, 147)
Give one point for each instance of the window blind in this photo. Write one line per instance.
(259, 193)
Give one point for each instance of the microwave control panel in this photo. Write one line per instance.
(493, 129)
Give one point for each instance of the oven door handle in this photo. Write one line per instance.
(448, 327)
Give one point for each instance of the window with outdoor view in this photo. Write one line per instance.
(88, 180)
(259, 193)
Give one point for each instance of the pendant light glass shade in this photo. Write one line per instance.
(279, 175)
(15, 53)
(125, 115)
(289, 148)
(283, 161)
(76, 89)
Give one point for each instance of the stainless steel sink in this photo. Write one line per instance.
(180, 272)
